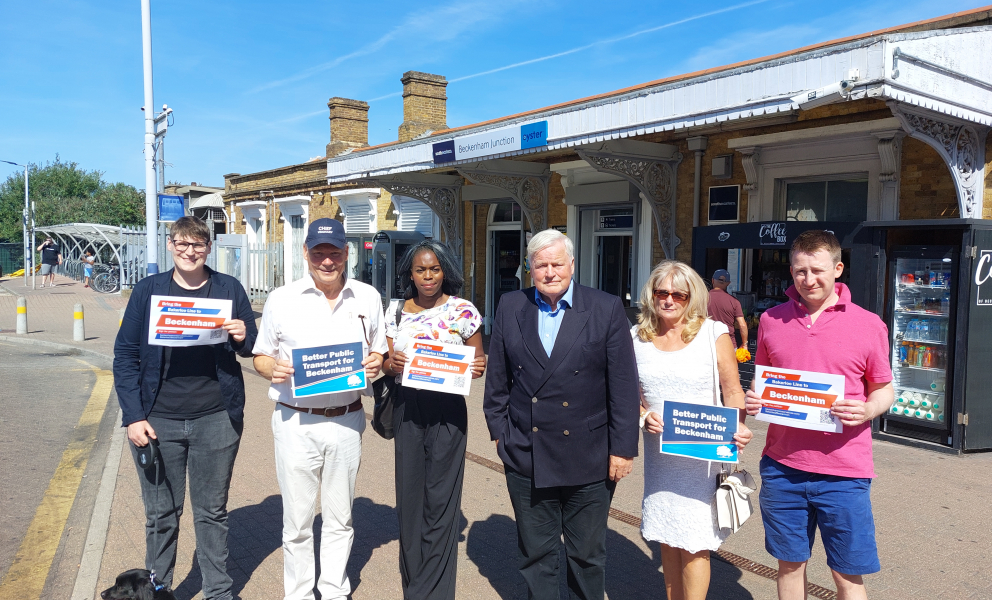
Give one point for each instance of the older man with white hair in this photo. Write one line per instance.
(562, 404)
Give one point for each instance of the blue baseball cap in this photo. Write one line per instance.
(721, 274)
(325, 231)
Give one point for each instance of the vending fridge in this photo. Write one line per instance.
(921, 325)
(930, 282)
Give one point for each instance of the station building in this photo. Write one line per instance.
(885, 126)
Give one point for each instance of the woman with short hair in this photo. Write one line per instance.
(430, 427)
(675, 344)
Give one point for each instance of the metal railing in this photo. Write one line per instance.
(11, 258)
(265, 269)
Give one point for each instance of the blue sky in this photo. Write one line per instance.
(249, 80)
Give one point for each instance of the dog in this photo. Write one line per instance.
(137, 584)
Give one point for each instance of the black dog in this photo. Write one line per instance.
(137, 584)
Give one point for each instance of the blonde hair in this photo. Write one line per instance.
(684, 279)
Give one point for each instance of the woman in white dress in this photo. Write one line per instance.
(674, 345)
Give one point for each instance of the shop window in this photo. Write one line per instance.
(830, 200)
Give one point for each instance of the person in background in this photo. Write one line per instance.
(51, 257)
(190, 403)
(88, 261)
(562, 404)
(813, 479)
(318, 438)
(676, 345)
(430, 426)
(725, 308)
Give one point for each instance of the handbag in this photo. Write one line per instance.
(384, 392)
(734, 489)
(733, 500)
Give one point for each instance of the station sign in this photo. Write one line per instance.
(170, 208)
(488, 143)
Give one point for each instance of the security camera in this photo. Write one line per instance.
(835, 92)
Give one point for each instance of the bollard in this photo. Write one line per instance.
(120, 320)
(22, 315)
(78, 329)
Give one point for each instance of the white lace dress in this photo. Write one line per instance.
(678, 492)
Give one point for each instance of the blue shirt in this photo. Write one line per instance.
(549, 319)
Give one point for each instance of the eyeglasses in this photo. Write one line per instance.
(677, 296)
(184, 246)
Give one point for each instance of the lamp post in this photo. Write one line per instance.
(28, 255)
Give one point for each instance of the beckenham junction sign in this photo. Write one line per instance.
(487, 143)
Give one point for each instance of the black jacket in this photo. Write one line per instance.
(559, 418)
(138, 365)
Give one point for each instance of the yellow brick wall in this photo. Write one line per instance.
(557, 211)
(926, 188)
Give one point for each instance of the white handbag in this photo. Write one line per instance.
(733, 500)
(733, 492)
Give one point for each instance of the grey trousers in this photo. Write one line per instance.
(205, 448)
(430, 468)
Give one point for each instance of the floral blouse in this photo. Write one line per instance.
(450, 323)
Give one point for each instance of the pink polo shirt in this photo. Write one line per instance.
(845, 340)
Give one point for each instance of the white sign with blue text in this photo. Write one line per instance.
(488, 143)
(699, 431)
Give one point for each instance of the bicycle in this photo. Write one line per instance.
(106, 279)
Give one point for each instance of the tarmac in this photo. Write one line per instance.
(933, 525)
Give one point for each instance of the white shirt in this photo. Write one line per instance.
(298, 316)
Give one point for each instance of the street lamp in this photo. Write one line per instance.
(28, 255)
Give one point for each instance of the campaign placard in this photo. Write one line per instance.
(328, 369)
(179, 321)
(439, 367)
(699, 431)
(798, 398)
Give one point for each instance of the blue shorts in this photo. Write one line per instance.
(794, 502)
(88, 272)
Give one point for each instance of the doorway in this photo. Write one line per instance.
(503, 254)
(606, 242)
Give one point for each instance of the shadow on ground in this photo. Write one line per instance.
(630, 572)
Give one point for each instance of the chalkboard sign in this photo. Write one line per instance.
(725, 201)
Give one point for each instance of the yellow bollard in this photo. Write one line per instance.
(78, 328)
(22, 315)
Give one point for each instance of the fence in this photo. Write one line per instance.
(265, 270)
(11, 258)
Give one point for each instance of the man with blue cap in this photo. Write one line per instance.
(318, 438)
(725, 308)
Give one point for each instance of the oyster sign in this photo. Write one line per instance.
(488, 143)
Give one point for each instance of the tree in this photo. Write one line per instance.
(65, 193)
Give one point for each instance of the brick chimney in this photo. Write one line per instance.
(424, 104)
(349, 125)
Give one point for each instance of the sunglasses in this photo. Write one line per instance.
(677, 296)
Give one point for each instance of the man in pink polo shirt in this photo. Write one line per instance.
(814, 479)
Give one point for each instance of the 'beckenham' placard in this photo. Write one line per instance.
(798, 398)
(700, 431)
(439, 367)
(328, 369)
(180, 321)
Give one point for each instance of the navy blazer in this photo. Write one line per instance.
(138, 365)
(559, 418)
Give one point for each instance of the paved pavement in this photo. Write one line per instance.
(934, 527)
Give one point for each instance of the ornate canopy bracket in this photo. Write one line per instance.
(525, 182)
(439, 192)
(960, 143)
(652, 169)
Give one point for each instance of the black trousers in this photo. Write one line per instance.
(429, 443)
(544, 515)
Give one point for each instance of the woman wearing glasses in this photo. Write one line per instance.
(430, 426)
(674, 342)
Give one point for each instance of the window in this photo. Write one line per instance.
(831, 200)
(507, 212)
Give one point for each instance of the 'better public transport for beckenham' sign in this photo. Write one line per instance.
(497, 141)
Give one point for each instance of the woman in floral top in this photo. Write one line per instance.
(430, 427)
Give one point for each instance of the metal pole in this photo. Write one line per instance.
(161, 163)
(151, 192)
(34, 240)
(28, 248)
